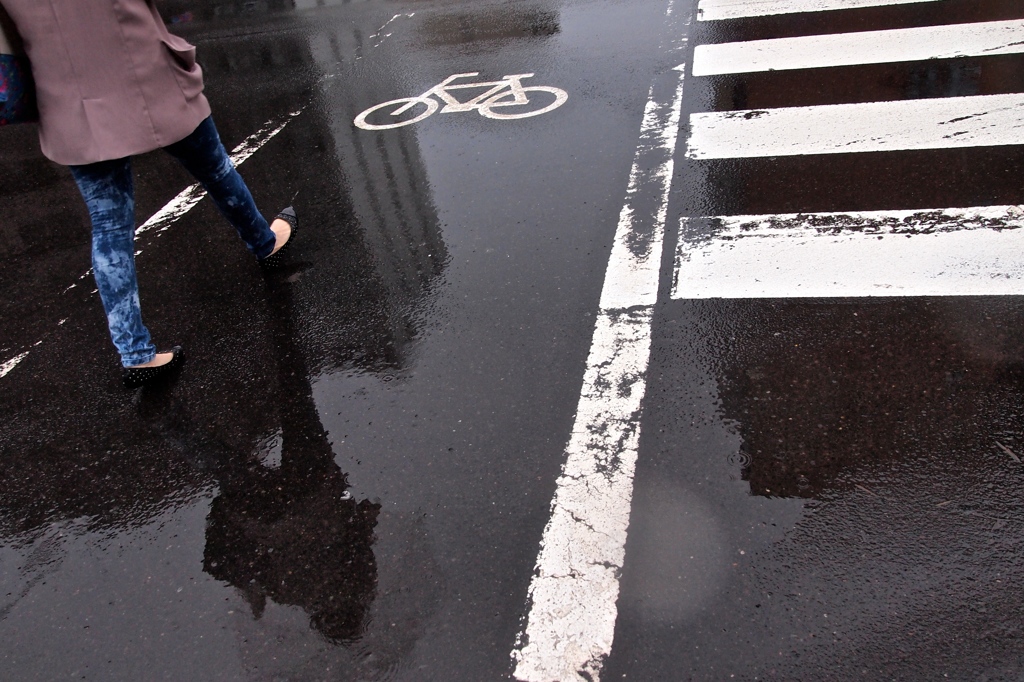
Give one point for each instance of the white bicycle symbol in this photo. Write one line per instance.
(508, 92)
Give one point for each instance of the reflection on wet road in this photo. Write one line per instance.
(354, 476)
(351, 477)
(842, 474)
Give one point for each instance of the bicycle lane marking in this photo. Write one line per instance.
(177, 207)
(483, 103)
(570, 624)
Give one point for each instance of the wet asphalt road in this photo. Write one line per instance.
(351, 477)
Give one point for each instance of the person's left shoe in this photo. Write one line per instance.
(280, 257)
(134, 377)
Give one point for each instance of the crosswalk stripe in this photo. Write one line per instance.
(952, 122)
(944, 252)
(868, 47)
(714, 10)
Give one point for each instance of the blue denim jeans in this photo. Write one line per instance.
(109, 194)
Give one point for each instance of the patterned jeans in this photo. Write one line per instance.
(109, 194)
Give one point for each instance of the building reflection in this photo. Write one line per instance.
(818, 392)
(508, 22)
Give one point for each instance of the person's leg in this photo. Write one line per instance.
(108, 192)
(203, 155)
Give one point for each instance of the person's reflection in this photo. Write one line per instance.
(292, 533)
(288, 531)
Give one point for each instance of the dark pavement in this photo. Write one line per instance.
(823, 487)
(351, 477)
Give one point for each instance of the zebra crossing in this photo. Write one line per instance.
(983, 121)
(569, 631)
(715, 10)
(950, 251)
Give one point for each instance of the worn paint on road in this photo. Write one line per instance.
(865, 47)
(944, 123)
(950, 252)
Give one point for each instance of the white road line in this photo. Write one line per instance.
(6, 367)
(571, 622)
(183, 203)
(981, 121)
(867, 47)
(945, 252)
(378, 38)
(714, 10)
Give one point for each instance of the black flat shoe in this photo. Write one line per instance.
(134, 377)
(280, 257)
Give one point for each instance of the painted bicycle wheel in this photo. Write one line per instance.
(377, 117)
(552, 99)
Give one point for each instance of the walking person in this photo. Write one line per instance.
(111, 82)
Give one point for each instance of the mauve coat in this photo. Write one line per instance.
(111, 81)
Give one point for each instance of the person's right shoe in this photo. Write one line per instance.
(280, 257)
(134, 377)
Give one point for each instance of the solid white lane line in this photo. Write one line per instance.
(571, 621)
(868, 47)
(714, 10)
(6, 367)
(948, 252)
(183, 203)
(981, 121)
